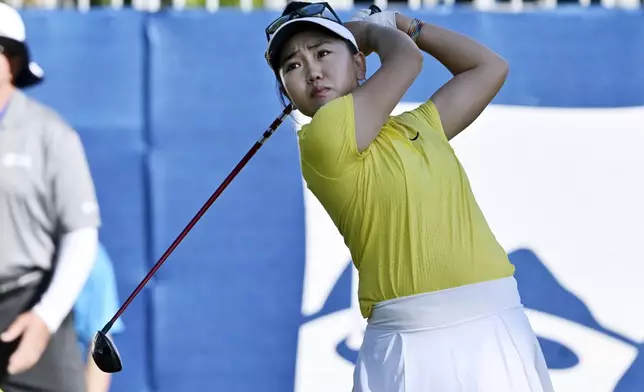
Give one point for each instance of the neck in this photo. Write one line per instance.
(5, 94)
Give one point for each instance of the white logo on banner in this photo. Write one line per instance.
(563, 183)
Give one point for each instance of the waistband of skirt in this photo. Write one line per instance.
(446, 307)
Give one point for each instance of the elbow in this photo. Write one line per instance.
(505, 69)
(501, 68)
(409, 60)
(416, 59)
(420, 58)
(495, 70)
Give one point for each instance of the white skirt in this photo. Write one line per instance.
(474, 338)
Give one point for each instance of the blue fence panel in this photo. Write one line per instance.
(205, 116)
(95, 78)
(94, 70)
(204, 295)
(209, 78)
(120, 177)
(567, 58)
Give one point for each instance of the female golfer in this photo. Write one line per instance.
(443, 309)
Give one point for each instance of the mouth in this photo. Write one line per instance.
(320, 92)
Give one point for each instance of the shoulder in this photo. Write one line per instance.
(328, 142)
(36, 120)
(48, 119)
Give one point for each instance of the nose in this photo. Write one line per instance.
(315, 72)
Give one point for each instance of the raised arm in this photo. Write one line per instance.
(401, 62)
(478, 74)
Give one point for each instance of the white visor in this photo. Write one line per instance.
(281, 35)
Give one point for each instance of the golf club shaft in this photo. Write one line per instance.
(267, 134)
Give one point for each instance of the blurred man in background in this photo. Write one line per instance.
(49, 220)
(96, 304)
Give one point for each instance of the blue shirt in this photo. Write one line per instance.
(98, 301)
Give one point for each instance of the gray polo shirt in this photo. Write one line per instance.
(46, 188)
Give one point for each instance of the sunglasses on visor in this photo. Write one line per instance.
(322, 10)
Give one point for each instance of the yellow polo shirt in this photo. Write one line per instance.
(404, 207)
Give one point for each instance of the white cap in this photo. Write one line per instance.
(285, 31)
(12, 27)
(11, 24)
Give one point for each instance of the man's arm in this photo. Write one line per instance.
(77, 215)
(75, 261)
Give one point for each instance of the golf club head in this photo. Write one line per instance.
(105, 354)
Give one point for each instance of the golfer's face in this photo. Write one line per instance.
(316, 69)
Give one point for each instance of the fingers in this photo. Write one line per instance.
(15, 329)
(33, 343)
(24, 358)
(386, 18)
(374, 9)
(361, 15)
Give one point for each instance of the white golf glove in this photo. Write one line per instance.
(384, 18)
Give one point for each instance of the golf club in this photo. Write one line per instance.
(104, 351)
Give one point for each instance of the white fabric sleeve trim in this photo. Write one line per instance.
(75, 261)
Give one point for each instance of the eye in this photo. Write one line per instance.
(290, 66)
(323, 52)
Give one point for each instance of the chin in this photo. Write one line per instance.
(312, 108)
(309, 112)
(317, 104)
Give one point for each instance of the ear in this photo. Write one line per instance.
(360, 63)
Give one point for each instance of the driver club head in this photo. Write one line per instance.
(105, 354)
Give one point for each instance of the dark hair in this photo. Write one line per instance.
(275, 61)
(14, 50)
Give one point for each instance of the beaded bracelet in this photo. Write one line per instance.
(414, 28)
